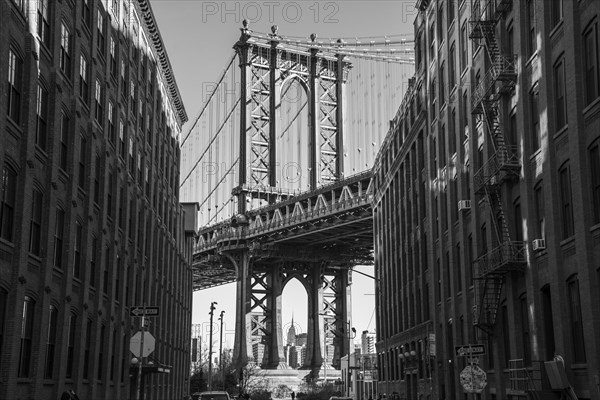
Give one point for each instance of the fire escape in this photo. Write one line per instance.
(503, 164)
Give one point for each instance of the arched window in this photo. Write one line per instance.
(71, 345)
(577, 337)
(8, 190)
(566, 202)
(59, 232)
(26, 337)
(50, 342)
(41, 131)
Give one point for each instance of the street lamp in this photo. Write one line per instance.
(212, 309)
(221, 351)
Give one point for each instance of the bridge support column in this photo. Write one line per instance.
(242, 352)
(343, 312)
(314, 341)
(276, 357)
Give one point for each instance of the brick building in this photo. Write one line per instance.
(90, 217)
(488, 208)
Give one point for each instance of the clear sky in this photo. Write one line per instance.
(199, 36)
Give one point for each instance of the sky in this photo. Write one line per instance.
(199, 36)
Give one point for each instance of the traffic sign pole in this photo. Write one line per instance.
(141, 357)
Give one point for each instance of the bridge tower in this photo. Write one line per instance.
(314, 136)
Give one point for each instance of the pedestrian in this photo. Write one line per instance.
(65, 396)
(293, 396)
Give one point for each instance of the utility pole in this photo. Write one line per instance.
(212, 309)
(221, 351)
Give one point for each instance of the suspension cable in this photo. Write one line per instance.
(209, 99)
(211, 142)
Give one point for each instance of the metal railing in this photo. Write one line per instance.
(510, 255)
(506, 158)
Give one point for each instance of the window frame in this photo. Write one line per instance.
(15, 85)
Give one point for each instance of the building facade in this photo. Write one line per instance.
(489, 233)
(90, 218)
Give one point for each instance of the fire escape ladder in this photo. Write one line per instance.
(524, 379)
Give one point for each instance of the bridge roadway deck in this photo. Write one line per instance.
(332, 224)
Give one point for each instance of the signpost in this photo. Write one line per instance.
(472, 378)
(137, 311)
(142, 343)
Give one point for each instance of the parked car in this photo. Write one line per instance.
(211, 396)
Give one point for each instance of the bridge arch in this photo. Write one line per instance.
(292, 138)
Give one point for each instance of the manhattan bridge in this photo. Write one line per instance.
(280, 159)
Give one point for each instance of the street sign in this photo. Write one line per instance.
(148, 346)
(473, 379)
(138, 311)
(470, 350)
(473, 360)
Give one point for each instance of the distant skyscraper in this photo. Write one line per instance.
(367, 340)
(301, 339)
(291, 335)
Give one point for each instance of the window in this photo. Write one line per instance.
(26, 338)
(59, 228)
(510, 41)
(97, 174)
(432, 98)
(431, 44)
(41, 117)
(518, 218)
(50, 343)
(107, 261)
(540, 215)
(111, 185)
(71, 345)
(458, 267)
(566, 201)
(77, 252)
(465, 115)
(3, 303)
(451, 65)
(86, 13)
(82, 162)
(84, 86)
(556, 11)
(112, 130)
(442, 84)
(15, 82)
(64, 140)
(560, 94)
(86, 350)
(123, 78)
(464, 46)
(525, 329)
(43, 22)
(452, 132)
(99, 102)
(451, 11)
(531, 28)
(20, 4)
(132, 94)
(101, 346)
(121, 139)
(595, 176)
(577, 338)
(93, 262)
(8, 193)
(35, 225)
(505, 335)
(101, 37)
(113, 58)
(440, 25)
(548, 321)
(65, 50)
(536, 134)
(113, 354)
(590, 54)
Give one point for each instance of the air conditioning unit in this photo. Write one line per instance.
(464, 205)
(539, 244)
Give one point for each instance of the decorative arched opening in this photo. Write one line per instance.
(294, 306)
(293, 136)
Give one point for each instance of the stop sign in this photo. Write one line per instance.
(473, 379)
(147, 348)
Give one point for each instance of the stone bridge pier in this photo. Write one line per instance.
(259, 325)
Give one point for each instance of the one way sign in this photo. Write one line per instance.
(138, 311)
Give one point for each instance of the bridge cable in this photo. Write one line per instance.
(209, 99)
(211, 142)
(221, 181)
